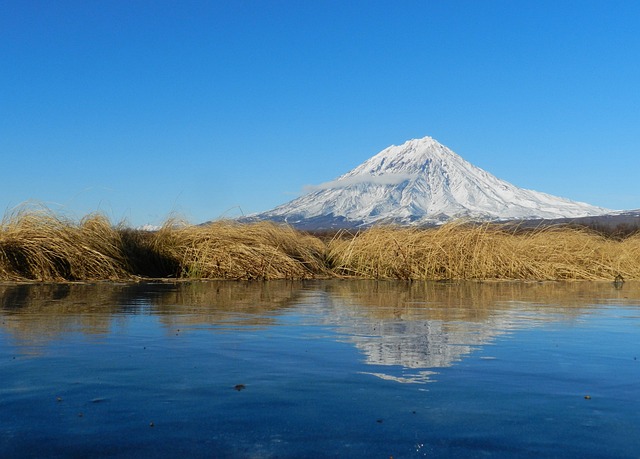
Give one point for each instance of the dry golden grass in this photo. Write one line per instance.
(229, 250)
(462, 251)
(37, 245)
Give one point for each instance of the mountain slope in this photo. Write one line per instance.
(420, 182)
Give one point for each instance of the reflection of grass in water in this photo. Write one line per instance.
(37, 245)
(227, 303)
(38, 313)
(471, 300)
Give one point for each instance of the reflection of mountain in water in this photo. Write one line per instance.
(423, 344)
(425, 326)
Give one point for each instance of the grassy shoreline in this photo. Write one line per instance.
(36, 245)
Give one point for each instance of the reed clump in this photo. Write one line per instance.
(230, 250)
(466, 251)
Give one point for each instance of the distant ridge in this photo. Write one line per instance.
(420, 182)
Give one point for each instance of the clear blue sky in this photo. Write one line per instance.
(143, 108)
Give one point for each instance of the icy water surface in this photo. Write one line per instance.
(320, 369)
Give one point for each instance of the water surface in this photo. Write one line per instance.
(320, 369)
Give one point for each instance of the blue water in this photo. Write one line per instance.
(320, 369)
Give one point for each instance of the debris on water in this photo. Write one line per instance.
(151, 424)
(587, 397)
(58, 399)
(239, 387)
(98, 400)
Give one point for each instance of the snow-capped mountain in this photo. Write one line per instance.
(420, 182)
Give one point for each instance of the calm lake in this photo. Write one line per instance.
(336, 368)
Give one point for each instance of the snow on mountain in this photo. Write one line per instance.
(420, 182)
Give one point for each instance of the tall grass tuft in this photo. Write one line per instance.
(229, 250)
(145, 255)
(35, 244)
(465, 251)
